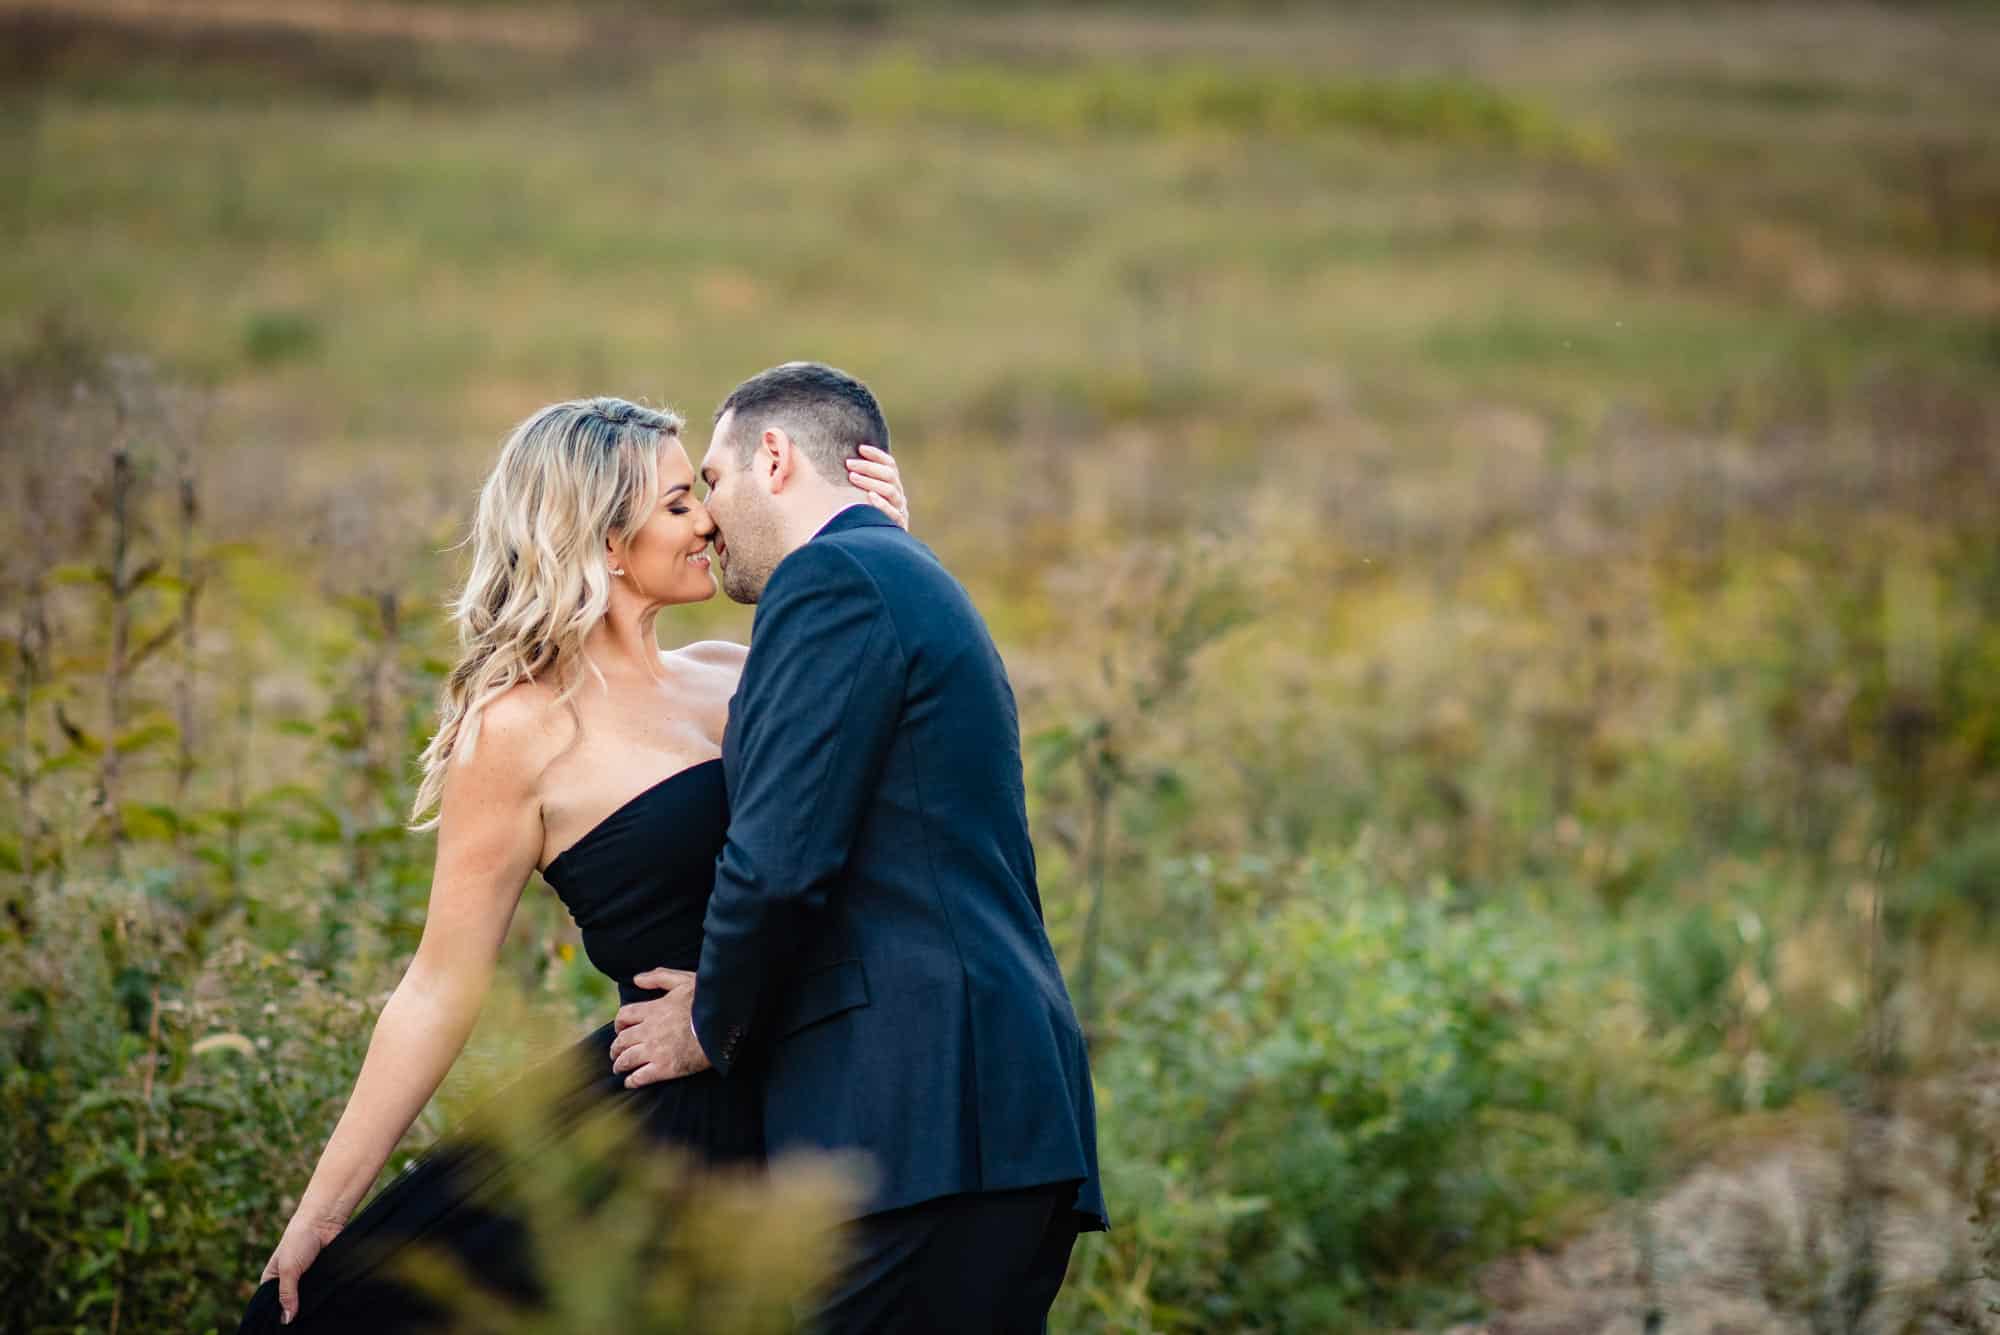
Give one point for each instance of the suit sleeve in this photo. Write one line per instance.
(810, 725)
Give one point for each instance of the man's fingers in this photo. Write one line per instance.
(626, 1038)
(652, 1073)
(635, 1055)
(662, 980)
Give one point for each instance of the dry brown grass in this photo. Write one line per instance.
(537, 29)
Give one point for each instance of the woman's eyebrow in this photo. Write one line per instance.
(676, 489)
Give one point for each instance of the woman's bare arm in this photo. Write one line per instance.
(489, 839)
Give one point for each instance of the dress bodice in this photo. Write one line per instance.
(637, 883)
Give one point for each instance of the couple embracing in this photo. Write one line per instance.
(806, 865)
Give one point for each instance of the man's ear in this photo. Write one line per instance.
(777, 459)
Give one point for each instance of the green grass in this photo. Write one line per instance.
(740, 202)
(1590, 410)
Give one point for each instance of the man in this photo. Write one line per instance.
(874, 943)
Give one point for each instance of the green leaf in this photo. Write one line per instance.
(79, 738)
(152, 644)
(207, 1102)
(88, 1172)
(149, 820)
(78, 572)
(147, 735)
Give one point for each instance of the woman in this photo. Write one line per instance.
(570, 744)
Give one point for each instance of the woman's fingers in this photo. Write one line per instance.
(881, 482)
(288, 1290)
(889, 508)
(875, 486)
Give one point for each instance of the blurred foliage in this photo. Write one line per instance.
(1105, 98)
(628, 1234)
(153, 1131)
(1492, 518)
(1312, 1084)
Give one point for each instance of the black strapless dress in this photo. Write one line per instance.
(637, 885)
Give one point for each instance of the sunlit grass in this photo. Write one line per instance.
(1592, 414)
(650, 234)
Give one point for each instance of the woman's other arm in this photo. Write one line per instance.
(489, 840)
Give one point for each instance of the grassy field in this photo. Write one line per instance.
(1491, 512)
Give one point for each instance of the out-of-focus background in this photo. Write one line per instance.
(1492, 512)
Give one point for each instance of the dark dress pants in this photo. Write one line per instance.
(984, 1263)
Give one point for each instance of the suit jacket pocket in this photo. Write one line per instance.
(823, 993)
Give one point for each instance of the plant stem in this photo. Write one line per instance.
(184, 691)
(1097, 771)
(139, 1146)
(31, 636)
(109, 775)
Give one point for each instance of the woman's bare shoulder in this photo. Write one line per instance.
(717, 667)
(524, 727)
(711, 653)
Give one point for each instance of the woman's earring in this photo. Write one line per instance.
(618, 570)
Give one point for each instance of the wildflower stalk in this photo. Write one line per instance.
(118, 579)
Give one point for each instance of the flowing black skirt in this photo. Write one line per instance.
(453, 1200)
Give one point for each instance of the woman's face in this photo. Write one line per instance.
(665, 558)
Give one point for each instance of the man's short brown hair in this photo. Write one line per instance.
(827, 412)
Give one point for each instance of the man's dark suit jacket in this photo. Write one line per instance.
(875, 934)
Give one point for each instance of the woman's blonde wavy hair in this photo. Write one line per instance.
(570, 477)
